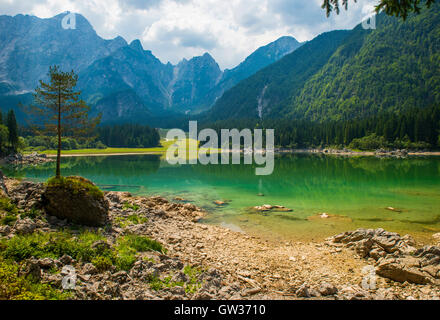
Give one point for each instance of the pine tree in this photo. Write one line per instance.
(11, 124)
(59, 110)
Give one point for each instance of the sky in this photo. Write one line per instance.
(229, 30)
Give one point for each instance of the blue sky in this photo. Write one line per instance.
(175, 29)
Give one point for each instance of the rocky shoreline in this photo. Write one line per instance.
(398, 153)
(26, 159)
(211, 262)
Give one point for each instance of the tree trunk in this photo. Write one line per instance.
(58, 172)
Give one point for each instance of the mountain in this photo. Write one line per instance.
(29, 45)
(123, 81)
(258, 60)
(346, 74)
(192, 80)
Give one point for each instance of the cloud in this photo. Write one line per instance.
(176, 29)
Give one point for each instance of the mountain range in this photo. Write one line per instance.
(122, 81)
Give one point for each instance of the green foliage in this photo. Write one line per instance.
(128, 246)
(133, 219)
(4, 134)
(102, 263)
(392, 8)
(129, 135)
(371, 142)
(413, 129)
(8, 212)
(76, 184)
(11, 123)
(128, 205)
(191, 286)
(341, 76)
(52, 245)
(15, 287)
(33, 213)
(193, 274)
(58, 108)
(41, 143)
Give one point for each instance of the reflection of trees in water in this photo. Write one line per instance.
(126, 166)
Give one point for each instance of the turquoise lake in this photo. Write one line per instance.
(354, 191)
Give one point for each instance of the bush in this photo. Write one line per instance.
(371, 142)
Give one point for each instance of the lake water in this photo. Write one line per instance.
(355, 192)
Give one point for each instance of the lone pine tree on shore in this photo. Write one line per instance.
(58, 109)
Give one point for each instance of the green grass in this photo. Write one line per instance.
(76, 184)
(191, 286)
(55, 245)
(158, 150)
(8, 212)
(127, 205)
(15, 287)
(133, 219)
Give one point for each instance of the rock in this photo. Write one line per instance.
(327, 289)
(203, 295)
(375, 243)
(31, 268)
(76, 199)
(402, 270)
(354, 293)
(100, 246)
(219, 203)
(304, 291)
(393, 209)
(89, 269)
(190, 207)
(67, 260)
(46, 263)
(324, 216)
(25, 226)
(5, 230)
(120, 277)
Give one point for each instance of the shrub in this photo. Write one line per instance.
(102, 263)
(15, 287)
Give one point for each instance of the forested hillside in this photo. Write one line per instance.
(358, 74)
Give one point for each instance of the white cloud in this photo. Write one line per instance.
(176, 29)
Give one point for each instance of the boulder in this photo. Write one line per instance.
(25, 226)
(403, 269)
(76, 199)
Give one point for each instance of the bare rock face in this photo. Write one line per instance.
(396, 257)
(76, 199)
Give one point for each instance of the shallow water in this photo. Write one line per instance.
(355, 192)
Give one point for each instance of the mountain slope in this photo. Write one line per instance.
(29, 45)
(261, 94)
(258, 60)
(362, 73)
